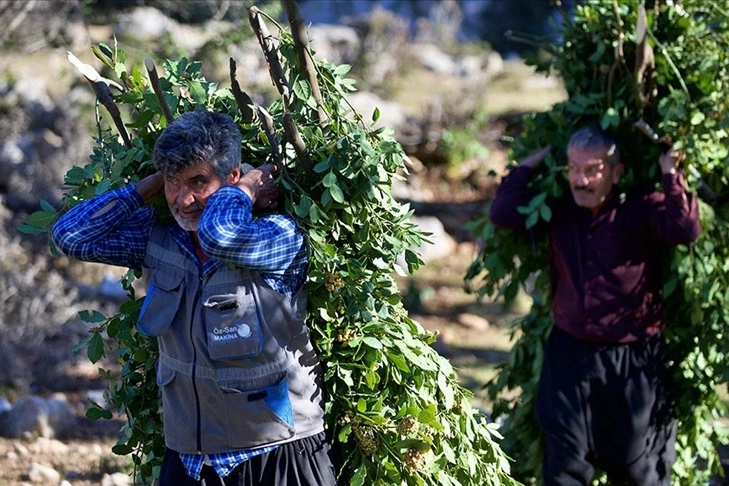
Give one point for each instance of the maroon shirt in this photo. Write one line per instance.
(606, 269)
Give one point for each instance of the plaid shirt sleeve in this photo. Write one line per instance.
(111, 228)
(271, 244)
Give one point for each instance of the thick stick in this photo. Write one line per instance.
(306, 64)
(244, 102)
(101, 85)
(154, 79)
(270, 130)
(294, 137)
(265, 39)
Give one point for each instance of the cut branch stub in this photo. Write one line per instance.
(101, 86)
(244, 102)
(158, 93)
(265, 39)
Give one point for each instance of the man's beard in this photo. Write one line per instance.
(186, 223)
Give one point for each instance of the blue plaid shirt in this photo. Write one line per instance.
(114, 227)
(223, 463)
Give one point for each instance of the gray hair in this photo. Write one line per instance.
(594, 138)
(199, 137)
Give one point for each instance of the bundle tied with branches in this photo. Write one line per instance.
(394, 405)
(664, 65)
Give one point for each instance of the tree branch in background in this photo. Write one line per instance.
(101, 86)
(244, 102)
(154, 79)
(306, 65)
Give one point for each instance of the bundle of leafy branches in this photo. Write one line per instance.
(667, 63)
(394, 405)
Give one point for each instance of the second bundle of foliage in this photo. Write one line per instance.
(668, 63)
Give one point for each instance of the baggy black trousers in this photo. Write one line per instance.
(305, 462)
(606, 407)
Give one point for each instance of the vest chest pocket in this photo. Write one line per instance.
(162, 301)
(232, 325)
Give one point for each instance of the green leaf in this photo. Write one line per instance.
(83, 343)
(39, 221)
(337, 194)
(303, 207)
(96, 348)
(373, 342)
(197, 92)
(92, 317)
(611, 119)
(122, 449)
(302, 89)
(359, 476)
(376, 114)
(323, 165)
(427, 415)
(314, 215)
(329, 180)
(97, 413)
(545, 212)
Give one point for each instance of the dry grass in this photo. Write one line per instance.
(517, 89)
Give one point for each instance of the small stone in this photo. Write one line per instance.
(472, 321)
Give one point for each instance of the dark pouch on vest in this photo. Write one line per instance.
(233, 328)
(161, 303)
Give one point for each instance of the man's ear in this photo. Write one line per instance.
(618, 172)
(233, 176)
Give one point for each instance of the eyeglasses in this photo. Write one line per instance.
(588, 171)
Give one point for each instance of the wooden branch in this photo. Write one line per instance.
(265, 39)
(158, 93)
(270, 130)
(294, 138)
(306, 64)
(101, 86)
(244, 102)
(644, 58)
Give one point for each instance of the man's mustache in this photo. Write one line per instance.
(192, 207)
(586, 189)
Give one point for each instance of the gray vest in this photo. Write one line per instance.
(237, 368)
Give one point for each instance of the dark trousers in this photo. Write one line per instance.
(305, 462)
(606, 407)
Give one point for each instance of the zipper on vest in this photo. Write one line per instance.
(198, 413)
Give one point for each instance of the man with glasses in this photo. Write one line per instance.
(604, 400)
